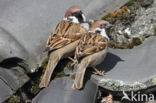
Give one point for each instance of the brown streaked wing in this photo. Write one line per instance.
(65, 33)
(89, 44)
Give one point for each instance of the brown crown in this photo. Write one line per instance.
(97, 24)
(72, 10)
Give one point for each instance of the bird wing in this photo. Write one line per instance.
(89, 44)
(63, 40)
(65, 33)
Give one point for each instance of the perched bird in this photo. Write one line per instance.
(91, 50)
(64, 39)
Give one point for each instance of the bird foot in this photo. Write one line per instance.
(73, 60)
(97, 72)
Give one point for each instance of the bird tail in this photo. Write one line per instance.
(81, 68)
(53, 61)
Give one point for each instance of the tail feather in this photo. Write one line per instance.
(53, 61)
(78, 82)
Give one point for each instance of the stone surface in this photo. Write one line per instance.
(60, 91)
(146, 3)
(133, 24)
(13, 77)
(6, 91)
(10, 81)
(129, 69)
(25, 26)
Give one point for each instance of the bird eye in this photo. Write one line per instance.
(55, 34)
(103, 26)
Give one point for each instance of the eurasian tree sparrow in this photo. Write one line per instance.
(91, 50)
(64, 39)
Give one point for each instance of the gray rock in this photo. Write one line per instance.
(129, 69)
(13, 77)
(60, 91)
(134, 25)
(146, 3)
(10, 81)
(6, 91)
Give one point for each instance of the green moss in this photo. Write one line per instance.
(14, 99)
(122, 15)
(35, 87)
(44, 63)
(107, 18)
(131, 2)
(60, 74)
(154, 30)
(72, 76)
(121, 45)
(137, 40)
(43, 66)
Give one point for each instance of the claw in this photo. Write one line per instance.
(73, 60)
(98, 72)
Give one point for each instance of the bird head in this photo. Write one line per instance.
(74, 14)
(101, 27)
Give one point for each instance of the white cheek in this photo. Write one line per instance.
(74, 19)
(84, 18)
(103, 33)
(65, 19)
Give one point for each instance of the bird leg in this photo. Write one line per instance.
(73, 60)
(96, 71)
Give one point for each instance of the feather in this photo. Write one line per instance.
(61, 43)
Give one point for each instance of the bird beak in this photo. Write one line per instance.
(109, 26)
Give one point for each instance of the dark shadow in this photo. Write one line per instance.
(109, 63)
(10, 62)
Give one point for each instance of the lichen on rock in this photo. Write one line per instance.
(133, 23)
(14, 99)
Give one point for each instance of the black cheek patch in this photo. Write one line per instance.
(98, 31)
(78, 16)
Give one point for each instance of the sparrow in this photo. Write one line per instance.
(63, 40)
(91, 50)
